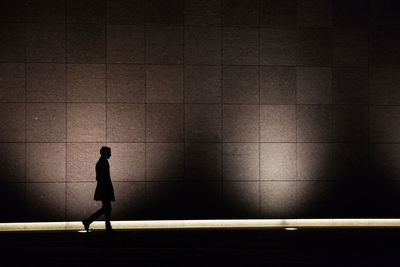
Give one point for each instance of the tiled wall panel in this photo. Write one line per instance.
(213, 109)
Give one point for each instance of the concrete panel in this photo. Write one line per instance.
(164, 161)
(383, 124)
(12, 11)
(350, 14)
(45, 43)
(278, 13)
(277, 47)
(314, 161)
(278, 161)
(45, 11)
(12, 196)
(45, 201)
(350, 48)
(45, 162)
(164, 84)
(314, 85)
(203, 200)
(12, 122)
(86, 43)
(127, 162)
(82, 159)
(314, 47)
(241, 123)
(385, 193)
(86, 11)
(278, 199)
(46, 122)
(165, 200)
(125, 83)
(125, 44)
(317, 197)
(350, 85)
(241, 85)
(126, 122)
(384, 86)
(203, 161)
(45, 82)
(240, 46)
(86, 83)
(203, 84)
(278, 85)
(12, 82)
(385, 48)
(350, 124)
(203, 122)
(350, 161)
(168, 12)
(86, 122)
(12, 43)
(278, 123)
(164, 45)
(164, 122)
(384, 14)
(314, 123)
(241, 199)
(241, 161)
(125, 12)
(130, 201)
(240, 13)
(12, 162)
(314, 13)
(203, 45)
(202, 12)
(384, 160)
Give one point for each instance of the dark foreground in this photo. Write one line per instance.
(305, 247)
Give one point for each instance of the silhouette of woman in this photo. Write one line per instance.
(104, 191)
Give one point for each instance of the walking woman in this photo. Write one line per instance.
(104, 191)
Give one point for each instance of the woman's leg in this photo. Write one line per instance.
(95, 215)
(107, 214)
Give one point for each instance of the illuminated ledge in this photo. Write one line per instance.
(204, 224)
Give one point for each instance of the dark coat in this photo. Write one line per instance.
(104, 188)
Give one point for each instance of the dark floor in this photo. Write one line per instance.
(305, 247)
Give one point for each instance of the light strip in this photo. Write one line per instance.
(204, 224)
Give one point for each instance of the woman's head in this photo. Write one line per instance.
(105, 152)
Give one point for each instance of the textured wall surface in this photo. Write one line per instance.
(212, 108)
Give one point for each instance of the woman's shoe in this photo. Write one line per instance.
(86, 225)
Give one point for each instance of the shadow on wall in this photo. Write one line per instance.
(384, 184)
(185, 183)
(203, 186)
(362, 194)
(363, 181)
(345, 190)
(12, 177)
